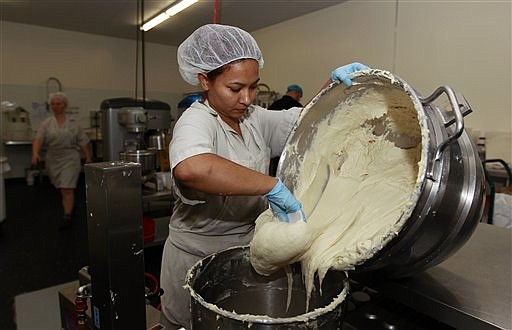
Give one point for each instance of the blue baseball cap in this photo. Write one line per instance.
(295, 88)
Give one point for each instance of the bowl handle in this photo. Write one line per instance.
(459, 122)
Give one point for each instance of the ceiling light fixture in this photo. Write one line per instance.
(165, 14)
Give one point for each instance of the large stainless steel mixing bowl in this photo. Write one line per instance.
(450, 194)
(227, 293)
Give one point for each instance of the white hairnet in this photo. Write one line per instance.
(212, 46)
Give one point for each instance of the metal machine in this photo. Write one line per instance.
(114, 215)
(121, 218)
(138, 131)
(15, 122)
(112, 293)
(128, 126)
(112, 288)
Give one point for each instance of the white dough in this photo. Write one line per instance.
(271, 257)
(356, 183)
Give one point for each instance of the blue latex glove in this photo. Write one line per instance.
(343, 73)
(284, 205)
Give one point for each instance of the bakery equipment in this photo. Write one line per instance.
(126, 125)
(111, 293)
(15, 122)
(227, 293)
(158, 141)
(128, 129)
(146, 159)
(114, 218)
(448, 296)
(448, 200)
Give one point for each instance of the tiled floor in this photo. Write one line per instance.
(34, 254)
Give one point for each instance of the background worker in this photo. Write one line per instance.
(219, 156)
(64, 139)
(289, 100)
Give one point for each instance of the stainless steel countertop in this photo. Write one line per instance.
(469, 290)
(17, 142)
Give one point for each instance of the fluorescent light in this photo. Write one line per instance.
(154, 22)
(171, 11)
(179, 7)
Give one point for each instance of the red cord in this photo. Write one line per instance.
(215, 11)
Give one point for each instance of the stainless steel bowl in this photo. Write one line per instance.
(146, 158)
(450, 194)
(227, 293)
(157, 141)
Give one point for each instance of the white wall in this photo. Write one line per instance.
(463, 44)
(91, 68)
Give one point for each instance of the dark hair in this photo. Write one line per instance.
(212, 75)
(216, 72)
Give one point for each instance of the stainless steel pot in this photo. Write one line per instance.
(449, 200)
(227, 293)
(157, 140)
(146, 158)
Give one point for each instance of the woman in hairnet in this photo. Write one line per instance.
(63, 138)
(219, 154)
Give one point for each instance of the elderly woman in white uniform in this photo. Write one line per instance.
(63, 139)
(219, 153)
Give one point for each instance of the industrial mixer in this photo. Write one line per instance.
(137, 131)
(127, 124)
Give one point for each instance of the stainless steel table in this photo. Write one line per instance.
(469, 290)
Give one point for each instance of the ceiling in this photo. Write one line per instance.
(118, 18)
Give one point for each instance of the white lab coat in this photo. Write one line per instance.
(62, 160)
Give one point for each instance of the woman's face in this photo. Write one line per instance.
(58, 106)
(231, 92)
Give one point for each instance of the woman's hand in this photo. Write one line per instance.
(284, 205)
(87, 153)
(35, 159)
(36, 147)
(343, 73)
